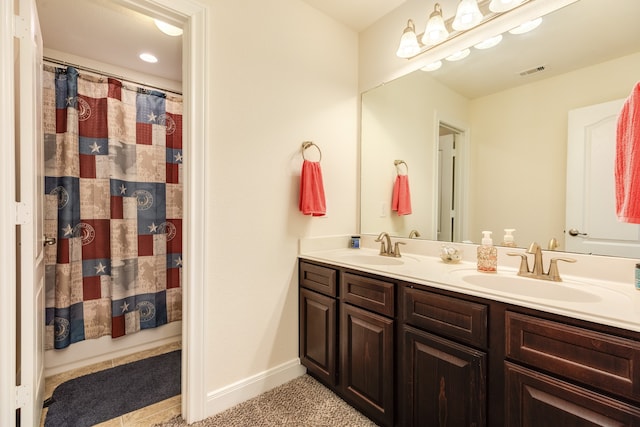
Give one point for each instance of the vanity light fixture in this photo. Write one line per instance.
(503, 5)
(436, 31)
(147, 57)
(458, 55)
(408, 42)
(468, 15)
(168, 29)
(489, 43)
(526, 27)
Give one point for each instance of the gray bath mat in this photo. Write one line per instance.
(101, 396)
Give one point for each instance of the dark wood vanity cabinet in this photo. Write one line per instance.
(568, 375)
(443, 377)
(367, 346)
(537, 399)
(414, 355)
(318, 321)
(347, 337)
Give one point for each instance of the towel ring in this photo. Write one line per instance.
(308, 144)
(397, 164)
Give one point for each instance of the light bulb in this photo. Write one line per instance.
(468, 15)
(436, 31)
(408, 42)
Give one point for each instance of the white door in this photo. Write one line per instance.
(446, 170)
(591, 222)
(30, 280)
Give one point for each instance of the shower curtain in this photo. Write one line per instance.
(113, 199)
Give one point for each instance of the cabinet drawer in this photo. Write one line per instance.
(454, 318)
(372, 294)
(600, 360)
(320, 279)
(535, 399)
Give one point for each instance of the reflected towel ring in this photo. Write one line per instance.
(397, 164)
(308, 144)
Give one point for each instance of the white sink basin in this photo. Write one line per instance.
(528, 287)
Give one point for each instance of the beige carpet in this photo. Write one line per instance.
(301, 402)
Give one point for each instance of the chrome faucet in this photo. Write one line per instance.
(414, 234)
(386, 249)
(538, 269)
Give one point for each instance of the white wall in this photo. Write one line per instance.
(282, 73)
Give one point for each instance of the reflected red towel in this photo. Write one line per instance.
(627, 167)
(312, 200)
(401, 199)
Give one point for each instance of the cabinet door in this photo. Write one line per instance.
(444, 382)
(366, 349)
(318, 335)
(534, 399)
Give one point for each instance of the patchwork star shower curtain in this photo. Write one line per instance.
(113, 198)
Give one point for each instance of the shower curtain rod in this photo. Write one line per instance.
(102, 73)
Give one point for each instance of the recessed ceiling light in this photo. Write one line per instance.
(147, 57)
(168, 29)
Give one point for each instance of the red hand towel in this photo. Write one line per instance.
(401, 199)
(627, 167)
(312, 200)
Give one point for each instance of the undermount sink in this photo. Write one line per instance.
(528, 287)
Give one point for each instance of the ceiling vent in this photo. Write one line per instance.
(532, 70)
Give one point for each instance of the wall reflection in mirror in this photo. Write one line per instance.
(486, 138)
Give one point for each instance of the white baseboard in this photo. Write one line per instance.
(233, 394)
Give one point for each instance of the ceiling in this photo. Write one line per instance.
(117, 35)
(356, 14)
(104, 31)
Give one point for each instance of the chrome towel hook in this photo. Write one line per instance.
(308, 144)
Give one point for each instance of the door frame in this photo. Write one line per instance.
(8, 251)
(461, 185)
(197, 129)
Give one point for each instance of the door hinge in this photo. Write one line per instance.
(20, 27)
(23, 213)
(23, 396)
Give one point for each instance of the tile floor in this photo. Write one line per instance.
(145, 417)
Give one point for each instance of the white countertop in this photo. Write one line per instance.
(596, 299)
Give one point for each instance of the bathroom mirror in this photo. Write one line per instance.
(508, 109)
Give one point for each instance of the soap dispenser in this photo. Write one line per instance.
(487, 254)
(508, 239)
